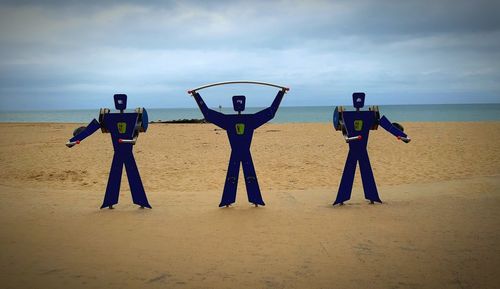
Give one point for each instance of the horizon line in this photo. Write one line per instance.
(291, 106)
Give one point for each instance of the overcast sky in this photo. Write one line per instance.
(77, 54)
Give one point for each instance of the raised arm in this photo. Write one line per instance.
(90, 129)
(210, 115)
(388, 126)
(267, 114)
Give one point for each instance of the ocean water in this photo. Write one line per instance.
(396, 113)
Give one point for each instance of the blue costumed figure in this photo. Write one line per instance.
(356, 126)
(240, 129)
(124, 129)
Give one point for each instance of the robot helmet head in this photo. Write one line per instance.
(239, 103)
(120, 101)
(358, 99)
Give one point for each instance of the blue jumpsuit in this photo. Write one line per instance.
(120, 126)
(240, 128)
(359, 123)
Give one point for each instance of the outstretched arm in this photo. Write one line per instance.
(210, 115)
(90, 129)
(267, 114)
(387, 125)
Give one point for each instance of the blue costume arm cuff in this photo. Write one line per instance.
(210, 115)
(90, 129)
(267, 114)
(387, 125)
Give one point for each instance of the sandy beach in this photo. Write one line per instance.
(437, 228)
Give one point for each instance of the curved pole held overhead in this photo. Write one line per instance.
(191, 91)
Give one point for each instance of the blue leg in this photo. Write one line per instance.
(233, 170)
(134, 180)
(345, 187)
(113, 187)
(253, 190)
(369, 185)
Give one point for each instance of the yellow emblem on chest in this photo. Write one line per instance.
(358, 125)
(240, 128)
(122, 127)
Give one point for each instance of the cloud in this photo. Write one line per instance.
(62, 54)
